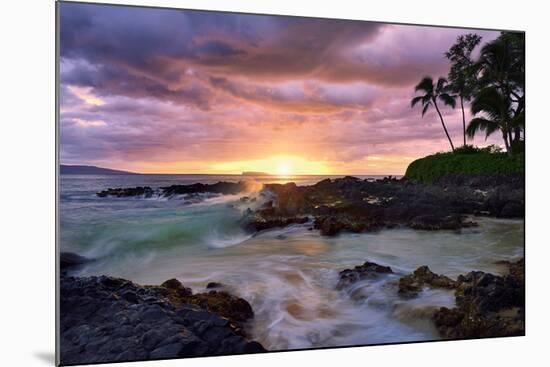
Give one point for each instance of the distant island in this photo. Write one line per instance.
(90, 170)
(253, 173)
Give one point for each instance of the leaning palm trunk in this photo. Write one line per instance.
(463, 119)
(443, 123)
(432, 94)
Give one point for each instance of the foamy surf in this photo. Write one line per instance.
(216, 240)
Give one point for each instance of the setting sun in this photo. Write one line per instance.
(284, 170)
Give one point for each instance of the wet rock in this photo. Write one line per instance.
(468, 322)
(435, 222)
(258, 222)
(214, 285)
(106, 319)
(367, 270)
(505, 202)
(235, 309)
(489, 292)
(176, 286)
(516, 271)
(512, 209)
(166, 351)
(71, 261)
(225, 188)
(483, 181)
(289, 198)
(253, 347)
(145, 191)
(487, 305)
(410, 285)
(130, 296)
(354, 205)
(334, 224)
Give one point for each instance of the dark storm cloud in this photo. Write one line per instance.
(135, 51)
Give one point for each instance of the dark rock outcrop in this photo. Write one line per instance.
(105, 319)
(487, 305)
(513, 181)
(256, 223)
(144, 191)
(360, 272)
(432, 222)
(70, 260)
(505, 202)
(354, 205)
(410, 285)
(224, 188)
(331, 225)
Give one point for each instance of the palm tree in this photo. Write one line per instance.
(462, 75)
(433, 93)
(498, 114)
(501, 65)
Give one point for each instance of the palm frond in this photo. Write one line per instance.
(448, 99)
(415, 100)
(478, 124)
(425, 109)
(491, 102)
(441, 85)
(491, 129)
(426, 85)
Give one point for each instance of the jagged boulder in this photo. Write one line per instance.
(106, 319)
(410, 285)
(487, 305)
(360, 272)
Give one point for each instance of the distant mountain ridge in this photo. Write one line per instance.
(90, 170)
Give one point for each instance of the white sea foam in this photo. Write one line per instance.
(217, 240)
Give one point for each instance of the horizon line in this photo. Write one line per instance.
(243, 173)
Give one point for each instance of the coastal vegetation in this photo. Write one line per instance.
(493, 85)
(467, 161)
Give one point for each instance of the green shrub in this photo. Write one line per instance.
(471, 149)
(469, 161)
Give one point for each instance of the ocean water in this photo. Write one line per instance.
(288, 275)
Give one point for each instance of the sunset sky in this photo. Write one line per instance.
(170, 91)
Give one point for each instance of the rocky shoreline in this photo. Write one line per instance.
(106, 319)
(487, 305)
(354, 205)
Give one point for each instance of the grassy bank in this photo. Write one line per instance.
(433, 167)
